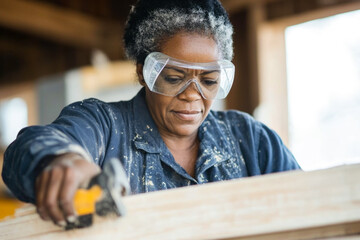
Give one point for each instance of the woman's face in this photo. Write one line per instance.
(182, 115)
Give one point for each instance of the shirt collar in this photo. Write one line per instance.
(215, 145)
(147, 136)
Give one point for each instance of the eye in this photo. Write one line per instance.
(173, 79)
(209, 81)
(210, 78)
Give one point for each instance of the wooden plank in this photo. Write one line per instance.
(60, 25)
(289, 205)
(113, 74)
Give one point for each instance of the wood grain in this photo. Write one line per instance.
(290, 205)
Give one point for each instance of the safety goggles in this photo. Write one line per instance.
(169, 76)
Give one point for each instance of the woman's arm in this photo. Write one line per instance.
(59, 157)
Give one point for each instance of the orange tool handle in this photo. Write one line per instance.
(85, 199)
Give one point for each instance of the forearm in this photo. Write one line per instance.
(81, 128)
(30, 153)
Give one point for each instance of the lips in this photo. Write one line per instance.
(186, 115)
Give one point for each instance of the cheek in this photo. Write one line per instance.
(207, 105)
(157, 103)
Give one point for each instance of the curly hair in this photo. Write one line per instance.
(151, 22)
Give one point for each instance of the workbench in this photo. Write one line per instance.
(288, 205)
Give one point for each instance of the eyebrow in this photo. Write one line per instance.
(176, 69)
(208, 72)
(183, 72)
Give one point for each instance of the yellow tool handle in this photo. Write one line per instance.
(85, 199)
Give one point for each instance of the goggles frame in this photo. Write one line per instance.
(155, 63)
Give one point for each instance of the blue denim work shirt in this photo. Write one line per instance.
(232, 145)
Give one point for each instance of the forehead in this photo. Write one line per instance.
(191, 47)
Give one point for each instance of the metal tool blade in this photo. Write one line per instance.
(117, 184)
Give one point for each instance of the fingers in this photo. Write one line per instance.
(41, 186)
(57, 184)
(69, 187)
(51, 197)
(56, 188)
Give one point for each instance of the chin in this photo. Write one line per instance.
(186, 130)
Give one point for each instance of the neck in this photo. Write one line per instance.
(184, 151)
(181, 143)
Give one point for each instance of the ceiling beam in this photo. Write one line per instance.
(61, 25)
(233, 6)
(25, 60)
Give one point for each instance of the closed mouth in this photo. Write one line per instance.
(187, 115)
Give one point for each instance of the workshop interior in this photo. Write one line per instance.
(297, 69)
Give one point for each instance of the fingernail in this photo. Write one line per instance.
(71, 219)
(61, 223)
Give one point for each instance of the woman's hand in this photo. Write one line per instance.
(56, 186)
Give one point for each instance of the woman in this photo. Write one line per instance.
(166, 136)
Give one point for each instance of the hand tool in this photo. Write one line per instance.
(102, 196)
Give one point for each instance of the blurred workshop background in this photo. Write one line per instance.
(297, 69)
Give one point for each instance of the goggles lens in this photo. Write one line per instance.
(170, 77)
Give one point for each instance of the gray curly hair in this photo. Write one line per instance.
(150, 24)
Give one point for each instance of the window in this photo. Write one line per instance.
(323, 68)
(13, 117)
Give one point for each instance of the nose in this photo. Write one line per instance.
(191, 93)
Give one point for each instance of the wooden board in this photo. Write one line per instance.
(290, 205)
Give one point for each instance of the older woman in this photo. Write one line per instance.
(166, 136)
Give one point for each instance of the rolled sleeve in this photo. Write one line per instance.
(79, 129)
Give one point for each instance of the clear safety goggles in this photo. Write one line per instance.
(169, 76)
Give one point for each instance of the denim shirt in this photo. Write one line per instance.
(232, 145)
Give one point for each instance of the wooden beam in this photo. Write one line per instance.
(273, 107)
(323, 12)
(233, 6)
(244, 95)
(60, 25)
(239, 97)
(289, 205)
(28, 60)
(113, 74)
(255, 19)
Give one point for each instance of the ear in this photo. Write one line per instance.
(139, 72)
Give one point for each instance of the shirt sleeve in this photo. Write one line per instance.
(80, 128)
(273, 155)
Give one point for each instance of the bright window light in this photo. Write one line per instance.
(13, 117)
(323, 66)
